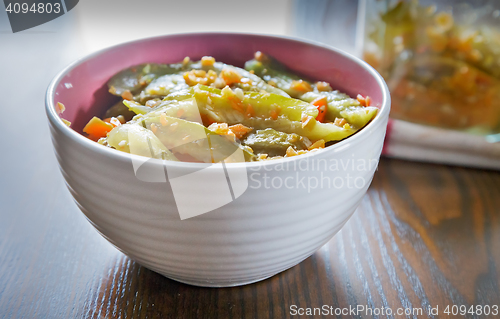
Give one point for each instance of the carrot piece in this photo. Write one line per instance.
(230, 76)
(97, 128)
(301, 86)
(274, 114)
(321, 103)
(236, 104)
(240, 130)
(115, 122)
(180, 112)
(207, 120)
(317, 144)
(361, 100)
(250, 111)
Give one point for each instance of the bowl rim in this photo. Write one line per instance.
(78, 138)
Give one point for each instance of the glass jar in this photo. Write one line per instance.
(440, 59)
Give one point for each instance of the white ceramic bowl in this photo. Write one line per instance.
(265, 229)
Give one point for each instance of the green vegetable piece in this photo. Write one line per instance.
(342, 106)
(193, 139)
(137, 108)
(274, 143)
(119, 109)
(137, 77)
(135, 139)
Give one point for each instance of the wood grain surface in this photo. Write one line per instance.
(424, 235)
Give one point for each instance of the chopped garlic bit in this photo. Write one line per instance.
(121, 118)
(340, 122)
(60, 108)
(219, 128)
(317, 144)
(163, 119)
(290, 151)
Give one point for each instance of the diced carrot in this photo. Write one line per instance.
(207, 61)
(115, 122)
(301, 86)
(240, 130)
(97, 128)
(250, 111)
(321, 103)
(230, 76)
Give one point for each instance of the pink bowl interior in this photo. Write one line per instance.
(84, 92)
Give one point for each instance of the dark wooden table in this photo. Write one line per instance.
(424, 235)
